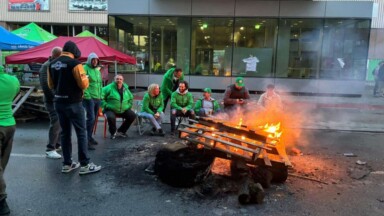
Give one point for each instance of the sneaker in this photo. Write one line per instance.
(52, 154)
(69, 168)
(90, 146)
(121, 134)
(93, 142)
(90, 168)
(113, 136)
(160, 132)
(58, 147)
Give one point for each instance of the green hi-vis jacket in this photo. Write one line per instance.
(179, 101)
(167, 85)
(9, 87)
(112, 99)
(95, 80)
(151, 104)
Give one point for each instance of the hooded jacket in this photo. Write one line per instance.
(168, 84)
(95, 80)
(66, 75)
(113, 101)
(181, 100)
(9, 87)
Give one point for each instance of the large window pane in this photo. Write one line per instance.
(170, 43)
(254, 44)
(211, 46)
(130, 35)
(299, 45)
(345, 49)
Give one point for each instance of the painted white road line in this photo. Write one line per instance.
(28, 155)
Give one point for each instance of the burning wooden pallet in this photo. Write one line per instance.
(260, 147)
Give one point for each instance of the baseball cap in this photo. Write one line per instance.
(208, 90)
(240, 81)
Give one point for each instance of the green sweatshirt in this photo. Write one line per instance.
(151, 104)
(179, 101)
(95, 81)
(199, 104)
(9, 87)
(167, 85)
(112, 99)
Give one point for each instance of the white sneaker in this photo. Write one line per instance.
(52, 154)
(69, 168)
(90, 168)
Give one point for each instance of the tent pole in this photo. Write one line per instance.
(135, 77)
(115, 68)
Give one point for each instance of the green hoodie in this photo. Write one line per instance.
(9, 87)
(179, 101)
(113, 101)
(199, 104)
(95, 81)
(152, 103)
(167, 85)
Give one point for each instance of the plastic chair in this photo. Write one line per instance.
(101, 114)
(142, 124)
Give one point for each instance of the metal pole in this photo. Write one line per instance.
(115, 68)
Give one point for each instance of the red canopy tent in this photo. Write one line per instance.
(40, 54)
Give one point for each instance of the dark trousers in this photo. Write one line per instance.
(128, 115)
(166, 103)
(73, 114)
(92, 109)
(176, 113)
(6, 140)
(54, 127)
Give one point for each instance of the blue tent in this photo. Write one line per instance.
(12, 42)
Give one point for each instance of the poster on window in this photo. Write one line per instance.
(87, 5)
(28, 5)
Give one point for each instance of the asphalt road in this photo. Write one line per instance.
(36, 186)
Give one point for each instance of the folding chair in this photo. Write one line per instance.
(181, 119)
(142, 124)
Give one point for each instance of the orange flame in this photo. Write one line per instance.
(273, 130)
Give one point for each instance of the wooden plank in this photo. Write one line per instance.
(18, 103)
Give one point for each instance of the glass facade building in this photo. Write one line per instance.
(302, 45)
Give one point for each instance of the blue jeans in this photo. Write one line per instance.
(73, 114)
(54, 127)
(155, 122)
(92, 108)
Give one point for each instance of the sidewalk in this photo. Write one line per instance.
(365, 114)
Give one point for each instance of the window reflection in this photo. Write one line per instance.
(298, 52)
(345, 49)
(170, 42)
(211, 52)
(254, 41)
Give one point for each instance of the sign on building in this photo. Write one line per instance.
(87, 5)
(28, 5)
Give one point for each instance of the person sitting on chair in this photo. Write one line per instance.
(206, 106)
(236, 95)
(181, 104)
(152, 108)
(118, 100)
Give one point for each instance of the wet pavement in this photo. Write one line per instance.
(332, 126)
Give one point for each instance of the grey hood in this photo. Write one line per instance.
(90, 57)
